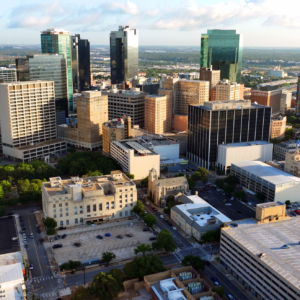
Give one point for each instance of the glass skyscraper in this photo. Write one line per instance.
(223, 50)
(124, 56)
(59, 41)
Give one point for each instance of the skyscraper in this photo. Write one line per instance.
(58, 41)
(223, 49)
(81, 71)
(297, 111)
(124, 56)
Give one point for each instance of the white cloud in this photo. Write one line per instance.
(126, 8)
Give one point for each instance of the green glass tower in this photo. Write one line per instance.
(223, 50)
(59, 41)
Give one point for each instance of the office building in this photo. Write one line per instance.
(195, 216)
(223, 50)
(81, 71)
(281, 149)
(58, 41)
(135, 156)
(213, 76)
(247, 93)
(92, 112)
(28, 111)
(76, 201)
(286, 101)
(277, 72)
(50, 67)
(292, 163)
(130, 103)
(124, 56)
(275, 184)
(115, 130)
(278, 127)
(156, 118)
(150, 88)
(7, 74)
(224, 122)
(267, 98)
(189, 92)
(226, 90)
(297, 106)
(252, 251)
(235, 152)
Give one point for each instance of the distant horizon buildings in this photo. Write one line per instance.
(223, 50)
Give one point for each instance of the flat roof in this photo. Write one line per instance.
(266, 172)
(41, 144)
(244, 144)
(134, 144)
(268, 238)
(6, 244)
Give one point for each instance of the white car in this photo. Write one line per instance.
(286, 246)
(131, 224)
(228, 204)
(162, 216)
(147, 203)
(31, 267)
(31, 235)
(249, 203)
(230, 297)
(174, 228)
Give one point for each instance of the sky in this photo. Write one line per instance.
(263, 23)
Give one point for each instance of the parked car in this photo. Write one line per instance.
(146, 229)
(120, 236)
(297, 211)
(26, 246)
(31, 235)
(31, 267)
(131, 224)
(227, 203)
(57, 246)
(174, 228)
(38, 231)
(230, 297)
(162, 216)
(107, 234)
(148, 203)
(129, 235)
(77, 244)
(62, 228)
(63, 236)
(152, 238)
(201, 191)
(166, 220)
(100, 237)
(289, 206)
(234, 224)
(261, 255)
(293, 213)
(154, 208)
(286, 246)
(169, 223)
(207, 263)
(57, 237)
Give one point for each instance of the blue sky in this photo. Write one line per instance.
(265, 23)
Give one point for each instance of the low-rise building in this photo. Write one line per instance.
(226, 90)
(77, 200)
(278, 127)
(275, 184)
(292, 163)
(195, 217)
(282, 148)
(262, 253)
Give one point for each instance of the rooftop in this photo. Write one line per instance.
(140, 148)
(268, 238)
(266, 172)
(244, 144)
(230, 104)
(7, 245)
(41, 144)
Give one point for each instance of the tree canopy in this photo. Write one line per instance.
(70, 265)
(118, 275)
(143, 248)
(164, 241)
(108, 256)
(219, 183)
(82, 293)
(231, 180)
(149, 220)
(240, 195)
(138, 208)
(195, 261)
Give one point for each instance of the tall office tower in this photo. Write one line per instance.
(213, 76)
(115, 130)
(58, 41)
(7, 74)
(297, 110)
(124, 56)
(28, 112)
(226, 90)
(286, 101)
(81, 70)
(50, 67)
(268, 98)
(223, 49)
(156, 120)
(189, 92)
(224, 122)
(130, 103)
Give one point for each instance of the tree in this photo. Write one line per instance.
(203, 172)
(211, 236)
(23, 186)
(219, 290)
(288, 202)
(130, 176)
(139, 208)
(6, 186)
(70, 265)
(195, 261)
(2, 211)
(150, 220)
(93, 173)
(130, 269)
(108, 256)
(50, 231)
(219, 183)
(118, 275)
(197, 176)
(228, 189)
(144, 182)
(231, 180)
(260, 196)
(50, 222)
(190, 182)
(240, 195)
(143, 248)
(104, 286)
(82, 293)
(164, 241)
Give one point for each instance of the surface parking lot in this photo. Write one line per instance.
(92, 248)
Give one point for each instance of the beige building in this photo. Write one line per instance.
(92, 112)
(156, 114)
(115, 130)
(278, 126)
(286, 101)
(213, 76)
(28, 112)
(267, 98)
(292, 163)
(160, 189)
(77, 200)
(253, 251)
(226, 90)
(189, 92)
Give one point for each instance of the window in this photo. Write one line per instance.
(60, 210)
(107, 205)
(76, 221)
(112, 215)
(88, 208)
(120, 196)
(67, 208)
(126, 213)
(120, 191)
(125, 205)
(66, 198)
(131, 200)
(131, 195)
(67, 214)
(67, 222)
(94, 207)
(120, 201)
(125, 200)
(60, 205)
(54, 216)
(113, 204)
(59, 198)
(75, 210)
(126, 196)
(81, 220)
(61, 215)
(54, 205)
(125, 190)
(61, 223)
(54, 210)
(131, 212)
(81, 209)
(120, 214)
(66, 204)
(131, 204)
(121, 206)
(100, 206)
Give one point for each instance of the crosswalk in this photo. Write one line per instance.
(50, 295)
(186, 248)
(42, 278)
(60, 284)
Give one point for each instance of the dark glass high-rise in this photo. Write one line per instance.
(223, 50)
(124, 58)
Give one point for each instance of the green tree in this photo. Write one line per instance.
(130, 269)
(82, 293)
(219, 290)
(231, 180)
(164, 241)
(2, 193)
(149, 220)
(139, 208)
(70, 265)
(2, 211)
(211, 236)
(240, 195)
(219, 183)
(108, 256)
(195, 261)
(190, 182)
(260, 196)
(50, 222)
(196, 176)
(50, 231)
(130, 176)
(93, 173)
(143, 248)
(6, 186)
(288, 202)
(104, 286)
(23, 186)
(118, 275)
(144, 182)
(228, 189)
(203, 172)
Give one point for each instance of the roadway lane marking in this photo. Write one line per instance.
(35, 248)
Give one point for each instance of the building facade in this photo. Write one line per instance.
(223, 50)
(226, 90)
(276, 185)
(278, 127)
(28, 110)
(281, 149)
(292, 163)
(58, 41)
(219, 122)
(213, 76)
(7, 74)
(268, 98)
(124, 57)
(76, 201)
(286, 101)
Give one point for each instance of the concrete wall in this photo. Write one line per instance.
(287, 192)
(170, 151)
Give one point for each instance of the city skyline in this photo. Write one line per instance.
(167, 23)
